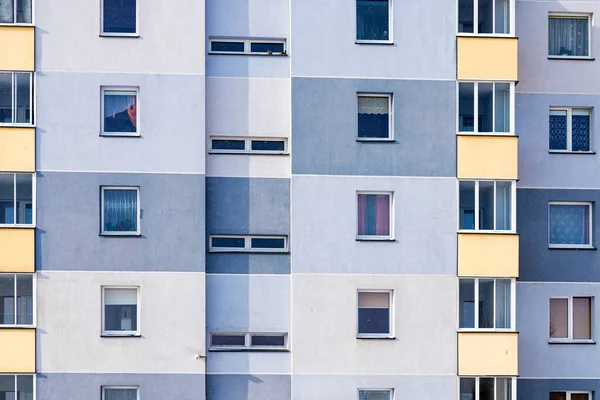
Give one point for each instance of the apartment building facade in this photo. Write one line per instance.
(275, 199)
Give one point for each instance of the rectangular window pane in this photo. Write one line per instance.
(582, 316)
(268, 340)
(503, 389)
(24, 198)
(23, 11)
(502, 100)
(486, 104)
(373, 117)
(120, 394)
(569, 224)
(120, 310)
(6, 93)
(559, 318)
(373, 313)
(7, 199)
(233, 47)
(467, 205)
(266, 47)
(486, 20)
(7, 299)
(228, 242)
(502, 16)
(467, 388)
(466, 108)
(25, 299)
(119, 16)
(486, 303)
(23, 98)
(374, 395)
(373, 215)
(580, 130)
(465, 16)
(486, 205)
(580, 396)
(372, 20)
(120, 210)
(374, 299)
(120, 111)
(268, 145)
(503, 303)
(228, 340)
(7, 13)
(486, 388)
(503, 206)
(7, 387)
(466, 303)
(558, 395)
(558, 129)
(225, 144)
(267, 243)
(25, 387)
(568, 36)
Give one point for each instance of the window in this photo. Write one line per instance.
(16, 300)
(570, 129)
(373, 21)
(375, 314)
(487, 205)
(120, 315)
(486, 303)
(16, 97)
(570, 225)
(247, 243)
(241, 145)
(375, 216)
(570, 319)
(120, 211)
(18, 387)
(248, 46)
(17, 205)
(485, 16)
(15, 11)
(374, 116)
(487, 388)
(570, 395)
(120, 112)
(119, 18)
(248, 341)
(375, 394)
(119, 393)
(492, 102)
(568, 36)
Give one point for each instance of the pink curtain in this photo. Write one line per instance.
(362, 214)
(383, 215)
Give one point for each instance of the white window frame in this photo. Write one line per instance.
(391, 236)
(390, 391)
(15, 16)
(138, 331)
(248, 145)
(22, 202)
(14, 95)
(570, 339)
(108, 89)
(390, 137)
(513, 208)
(590, 18)
(118, 34)
(389, 335)
(590, 245)
(34, 299)
(390, 25)
(247, 45)
(248, 341)
(513, 306)
(571, 392)
(476, 21)
(137, 389)
(569, 111)
(248, 244)
(34, 382)
(513, 384)
(476, 109)
(139, 212)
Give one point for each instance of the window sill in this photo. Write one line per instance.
(17, 327)
(474, 232)
(486, 330)
(571, 58)
(123, 336)
(123, 234)
(249, 350)
(487, 35)
(232, 53)
(9, 125)
(566, 341)
(376, 337)
(570, 152)
(212, 251)
(249, 153)
(17, 226)
(375, 42)
(374, 239)
(23, 24)
(499, 134)
(375, 140)
(120, 35)
(132, 135)
(583, 247)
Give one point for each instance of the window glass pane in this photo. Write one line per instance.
(25, 299)
(569, 224)
(120, 210)
(120, 112)
(374, 395)
(373, 313)
(374, 299)
(120, 394)
(503, 303)
(268, 145)
(120, 309)
(373, 117)
(372, 20)
(224, 144)
(7, 199)
(23, 98)
(486, 303)
(466, 317)
(267, 243)
(503, 389)
(582, 315)
(23, 11)
(558, 129)
(503, 205)
(264, 340)
(559, 318)
(465, 16)
(486, 205)
(568, 36)
(486, 104)
(580, 396)
(25, 387)
(486, 388)
(7, 299)
(502, 16)
(486, 20)
(24, 198)
(466, 109)
(228, 242)
(502, 97)
(234, 47)
(373, 215)
(228, 340)
(467, 388)
(266, 47)
(119, 16)
(467, 205)
(558, 395)
(580, 130)
(6, 97)
(7, 387)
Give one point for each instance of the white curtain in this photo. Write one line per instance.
(373, 105)
(503, 301)
(120, 210)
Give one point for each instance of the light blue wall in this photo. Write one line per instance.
(324, 128)
(248, 387)
(68, 222)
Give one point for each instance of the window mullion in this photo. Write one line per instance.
(31, 103)
(569, 129)
(15, 199)
(494, 305)
(476, 205)
(13, 100)
(495, 205)
(570, 317)
(476, 107)
(476, 306)
(495, 378)
(494, 97)
(15, 297)
(477, 388)
(475, 16)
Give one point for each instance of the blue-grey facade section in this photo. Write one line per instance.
(55, 386)
(537, 262)
(248, 387)
(325, 132)
(172, 223)
(240, 263)
(539, 389)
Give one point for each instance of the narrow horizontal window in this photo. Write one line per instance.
(260, 47)
(17, 199)
(228, 340)
(485, 16)
(570, 225)
(569, 129)
(17, 302)
(20, 384)
(16, 11)
(570, 319)
(569, 35)
(228, 242)
(487, 206)
(374, 117)
(120, 211)
(267, 243)
(120, 393)
(485, 107)
(374, 216)
(247, 145)
(247, 243)
(268, 145)
(267, 340)
(374, 314)
(231, 47)
(487, 388)
(248, 46)
(120, 312)
(120, 112)
(486, 303)
(119, 17)
(375, 394)
(225, 144)
(16, 98)
(248, 341)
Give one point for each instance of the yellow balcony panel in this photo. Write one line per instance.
(17, 250)
(17, 48)
(17, 347)
(17, 149)
(487, 58)
(487, 157)
(488, 353)
(488, 255)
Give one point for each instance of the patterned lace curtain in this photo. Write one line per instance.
(558, 130)
(120, 210)
(580, 130)
(569, 224)
(568, 37)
